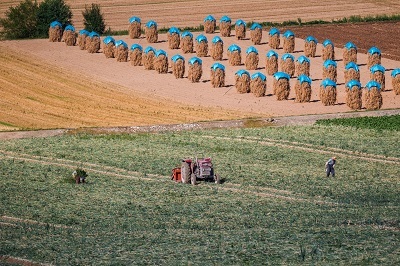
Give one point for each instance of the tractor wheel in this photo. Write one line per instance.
(193, 179)
(217, 179)
(185, 172)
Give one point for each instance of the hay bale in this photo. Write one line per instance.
(240, 29)
(151, 32)
(310, 46)
(373, 96)
(217, 49)
(195, 70)
(329, 70)
(135, 55)
(178, 66)
(354, 95)
(210, 24)
(378, 74)
(161, 62)
(148, 58)
(251, 61)
(217, 75)
(351, 72)
(396, 81)
(327, 92)
(55, 31)
(135, 28)
(274, 38)
(82, 39)
(258, 84)
(374, 57)
(303, 66)
(256, 33)
(109, 47)
(225, 26)
(281, 87)
(287, 64)
(187, 42)
(242, 81)
(92, 43)
(349, 53)
(271, 64)
(174, 38)
(201, 46)
(288, 42)
(328, 50)
(234, 55)
(303, 89)
(69, 36)
(121, 51)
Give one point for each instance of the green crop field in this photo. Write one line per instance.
(274, 207)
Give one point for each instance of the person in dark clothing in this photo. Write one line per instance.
(330, 167)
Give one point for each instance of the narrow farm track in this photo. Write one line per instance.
(20, 261)
(14, 221)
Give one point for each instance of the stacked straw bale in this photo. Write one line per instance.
(240, 29)
(281, 86)
(121, 51)
(396, 81)
(210, 24)
(135, 28)
(201, 46)
(377, 73)
(351, 72)
(187, 42)
(55, 31)
(274, 38)
(271, 64)
(287, 64)
(135, 55)
(258, 84)
(178, 66)
(251, 58)
(328, 50)
(69, 36)
(148, 58)
(161, 62)
(217, 49)
(354, 95)
(303, 89)
(225, 26)
(92, 43)
(256, 33)
(151, 32)
(195, 70)
(373, 96)
(217, 75)
(288, 42)
(349, 53)
(327, 92)
(329, 70)
(82, 39)
(303, 66)
(242, 81)
(234, 55)
(109, 47)
(310, 46)
(174, 38)
(374, 57)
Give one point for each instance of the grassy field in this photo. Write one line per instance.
(275, 207)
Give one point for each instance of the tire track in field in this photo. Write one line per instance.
(21, 261)
(12, 221)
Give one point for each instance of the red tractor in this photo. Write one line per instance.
(193, 170)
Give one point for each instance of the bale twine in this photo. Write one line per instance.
(288, 42)
(151, 32)
(256, 33)
(303, 66)
(195, 70)
(240, 29)
(303, 89)
(135, 28)
(217, 49)
(217, 75)
(242, 81)
(349, 53)
(174, 38)
(225, 26)
(310, 46)
(178, 66)
(201, 46)
(82, 39)
(274, 38)
(374, 57)
(148, 58)
(354, 95)
(351, 72)
(93, 44)
(234, 55)
(327, 92)
(271, 64)
(69, 36)
(378, 74)
(252, 58)
(121, 51)
(187, 42)
(109, 47)
(328, 50)
(210, 24)
(258, 84)
(135, 55)
(55, 31)
(396, 81)
(373, 96)
(329, 70)
(281, 87)
(161, 62)
(287, 64)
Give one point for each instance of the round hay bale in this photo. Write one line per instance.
(93, 42)
(148, 58)
(195, 70)
(354, 95)
(303, 66)
(288, 42)
(258, 84)
(327, 92)
(217, 75)
(351, 72)
(174, 38)
(178, 66)
(217, 49)
(349, 53)
(328, 50)
(281, 87)
(69, 36)
(396, 81)
(55, 31)
(303, 89)
(187, 42)
(378, 74)
(82, 39)
(251, 58)
(135, 28)
(271, 64)
(374, 57)
(161, 62)
(372, 95)
(242, 81)
(135, 55)
(329, 70)
(256, 33)
(201, 46)
(287, 64)
(225, 26)
(310, 46)
(274, 38)
(121, 51)
(234, 55)
(210, 24)
(151, 32)
(240, 29)
(109, 47)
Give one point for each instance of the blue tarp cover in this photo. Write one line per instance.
(194, 60)
(151, 23)
(303, 59)
(287, 56)
(242, 72)
(134, 19)
(272, 53)
(281, 75)
(251, 49)
(328, 82)
(173, 30)
(225, 19)
(70, 28)
(377, 68)
(311, 39)
(187, 33)
(288, 34)
(216, 66)
(240, 22)
(93, 34)
(350, 45)
(259, 75)
(217, 39)
(304, 78)
(209, 18)
(121, 42)
(274, 31)
(136, 46)
(149, 49)
(353, 66)
(55, 24)
(329, 62)
(82, 32)
(327, 42)
(255, 26)
(234, 47)
(109, 39)
(374, 50)
(201, 38)
(353, 83)
(395, 72)
(160, 52)
(373, 84)
(177, 57)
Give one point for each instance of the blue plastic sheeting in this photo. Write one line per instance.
(216, 66)
(195, 60)
(209, 18)
(82, 32)
(149, 49)
(353, 83)
(108, 40)
(134, 19)
(136, 46)
(281, 75)
(259, 75)
(225, 19)
(173, 30)
(121, 42)
(374, 50)
(304, 78)
(287, 56)
(201, 38)
(352, 65)
(303, 59)
(311, 39)
(187, 33)
(327, 42)
(177, 57)
(240, 22)
(373, 84)
(233, 48)
(217, 39)
(251, 49)
(328, 82)
(55, 24)
(93, 34)
(255, 26)
(272, 53)
(288, 34)
(151, 23)
(274, 31)
(377, 68)
(242, 72)
(161, 52)
(70, 28)
(329, 62)
(350, 45)
(395, 72)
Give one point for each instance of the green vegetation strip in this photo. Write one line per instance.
(391, 123)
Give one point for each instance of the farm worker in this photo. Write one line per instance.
(330, 167)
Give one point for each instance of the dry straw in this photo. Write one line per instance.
(354, 95)
(396, 81)
(201, 46)
(327, 92)
(187, 42)
(217, 75)
(135, 55)
(161, 62)
(329, 70)
(288, 42)
(258, 84)
(310, 46)
(351, 72)
(349, 53)
(274, 38)
(93, 43)
(225, 26)
(69, 36)
(271, 64)
(109, 47)
(210, 24)
(302, 66)
(256, 33)
(195, 70)
(55, 31)
(121, 51)
(378, 74)
(374, 57)
(252, 58)
(82, 39)
(178, 66)
(287, 64)
(242, 81)
(303, 89)
(328, 50)
(148, 58)
(151, 32)
(135, 28)
(281, 86)
(240, 29)
(174, 38)
(372, 96)
(217, 49)
(234, 55)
